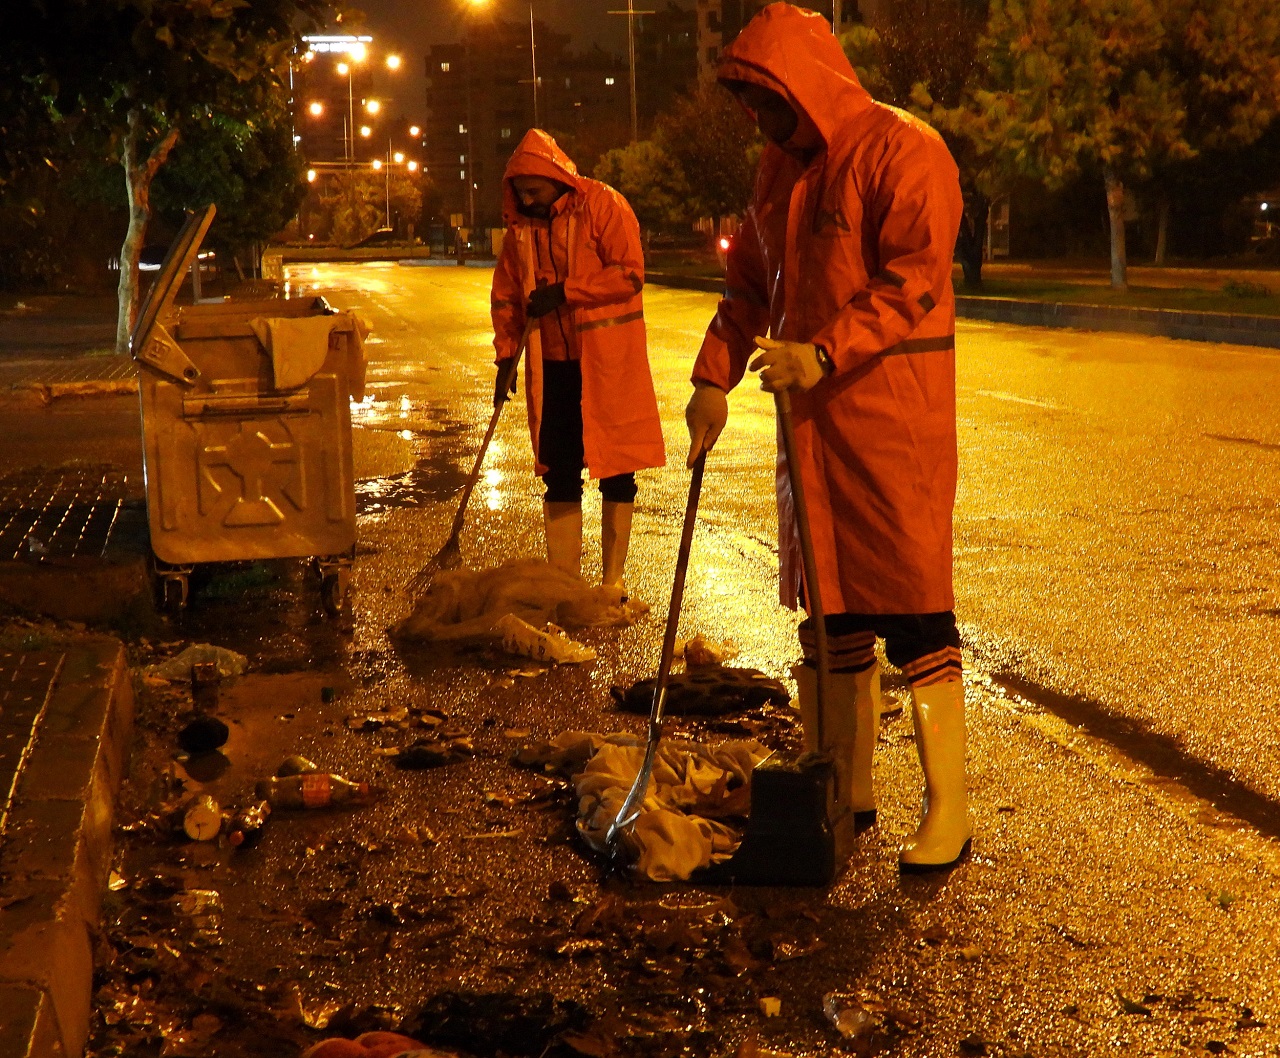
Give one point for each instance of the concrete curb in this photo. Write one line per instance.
(1228, 328)
(55, 850)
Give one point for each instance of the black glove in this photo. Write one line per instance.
(544, 300)
(504, 385)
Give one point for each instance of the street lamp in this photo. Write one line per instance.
(632, 14)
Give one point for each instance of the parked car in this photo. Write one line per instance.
(381, 237)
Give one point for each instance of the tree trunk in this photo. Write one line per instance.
(972, 238)
(137, 178)
(1162, 231)
(1115, 210)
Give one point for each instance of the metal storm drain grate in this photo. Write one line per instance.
(68, 512)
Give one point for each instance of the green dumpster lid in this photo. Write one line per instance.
(181, 253)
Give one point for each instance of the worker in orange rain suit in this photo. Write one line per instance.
(845, 259)
(571, 260)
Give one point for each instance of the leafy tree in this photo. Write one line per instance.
(922, 58)
(716, 146)
(250, 170)
(650, 179)
(1124, 86)
(144, 73)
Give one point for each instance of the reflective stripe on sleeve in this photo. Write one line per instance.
(630, 317)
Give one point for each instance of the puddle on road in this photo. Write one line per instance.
(431, 480)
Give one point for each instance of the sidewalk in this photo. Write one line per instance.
(66, 714)
(1230, 328)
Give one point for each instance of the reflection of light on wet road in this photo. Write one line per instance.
(406, 406)
(494, 499)
(406, 435)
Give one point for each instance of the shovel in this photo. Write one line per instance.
(791, 836)
(630, 809)
(450, 555)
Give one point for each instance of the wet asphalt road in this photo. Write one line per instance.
(1115, 566)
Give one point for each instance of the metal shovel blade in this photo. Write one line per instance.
(630, 809)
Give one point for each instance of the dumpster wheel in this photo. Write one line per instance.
(334, 587)
(172, 586)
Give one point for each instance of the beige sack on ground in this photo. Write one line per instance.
(468, 603)
(691, 790)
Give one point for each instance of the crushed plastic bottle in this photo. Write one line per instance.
(248, 825)
(312, 790)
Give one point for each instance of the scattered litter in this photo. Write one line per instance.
(204, 734)
(770, 1006)
(374, 721)
(202, 818)
(705, 692)
(1128, 1006)
(312, 790)
(848, 1014)
(374, 1045)
(248, 825)
(117, 882)
(545, 644)
(702, 651)
(35, 546)
(296, 765)
(449, 746)
(179, 668)
(463, 604)
(491, 834)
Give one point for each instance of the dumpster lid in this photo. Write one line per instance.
(164, 290)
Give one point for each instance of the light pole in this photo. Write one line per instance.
(471, 162)
(631, 15)
(533, 57)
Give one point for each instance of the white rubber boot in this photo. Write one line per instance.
(850, 729)
(944, 832)
(615, 539)
(562, 523)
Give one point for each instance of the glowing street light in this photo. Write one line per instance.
(399, 157)
(316, 109)
(373, 105)
(415, 131)
(366, 131)
(393, 62)
(311, 176)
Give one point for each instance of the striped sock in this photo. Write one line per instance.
(854, 652)
(937, 667)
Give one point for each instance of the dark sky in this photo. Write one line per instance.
(410, 27)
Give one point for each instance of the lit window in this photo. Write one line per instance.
(444, 67)
(462, 174)
(608, 80)
(567, 83)
(462, 158)
(462, 129)
(506, 134)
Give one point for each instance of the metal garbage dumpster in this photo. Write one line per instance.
(246, 429)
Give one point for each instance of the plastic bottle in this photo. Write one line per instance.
(296, 765)
(248, 825)
(313, 790)
(202, 818)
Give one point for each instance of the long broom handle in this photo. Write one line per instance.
(635, 796)
(813, 595)
(488, 434)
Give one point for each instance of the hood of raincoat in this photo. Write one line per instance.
(793, 52)
(536, 155)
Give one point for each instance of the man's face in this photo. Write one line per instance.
(773, 114)
(536, 195)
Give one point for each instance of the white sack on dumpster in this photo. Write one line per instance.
(463, 603)
(694, 792)
(299, 345)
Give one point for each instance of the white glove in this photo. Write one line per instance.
(706, 414)
(787, 365)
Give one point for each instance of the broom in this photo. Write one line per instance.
(450, 555)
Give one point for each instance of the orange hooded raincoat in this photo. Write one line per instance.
(594, 230)
(851, 252)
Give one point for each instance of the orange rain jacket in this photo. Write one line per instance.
(851, 252)
(594, 229)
